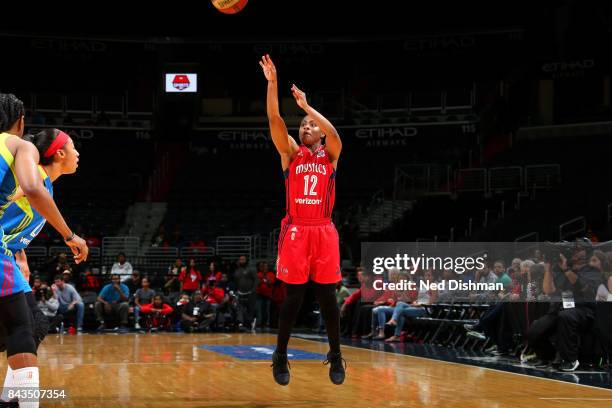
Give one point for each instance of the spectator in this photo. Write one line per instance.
(213, 293)
(69, 300)
(190, 278)
(113, 301)
(67, 275)
(385, 305)
(341, 293)
(157, 314)
(198, 315)
(142, 297)
(91, 281)
(160, 239)
(212, 271)
(357, 308)
(172, 287)
(61, 265)
(37, 284)
(515, 268)
(266, 280)
(246, 282)
(122, 267)
(48, 304)
(576, 286)
(404, 309)
(134, 282)
(499, 268)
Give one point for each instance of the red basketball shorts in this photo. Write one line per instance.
(308, 250)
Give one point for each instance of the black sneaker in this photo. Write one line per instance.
(569, 366)
(539, 363)
(101, 327)
(336, 368)
(10, 404)
(280, 368)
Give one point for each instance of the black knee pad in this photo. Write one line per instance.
(40, 322)
(20, 341)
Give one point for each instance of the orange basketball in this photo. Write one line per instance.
(229, 6)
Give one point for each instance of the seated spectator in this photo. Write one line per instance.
(342, 293)
(48, 304)
(357, 308)
(122, 267)
(157, 314)
(265, 286)
(404, 309)
(69, 301)
(198, 315)
(142, 297)
(113, 301)
(213, 293)
(190, 278)
(37, 284)
(91, 282)
(385, 306)
(576, 287)
(134, 282)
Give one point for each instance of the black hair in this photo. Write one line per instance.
(11, 110)
(59, 277)
(42, 140)
(121, 254)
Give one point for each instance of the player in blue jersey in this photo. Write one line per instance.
(22, 223)
(19, 168)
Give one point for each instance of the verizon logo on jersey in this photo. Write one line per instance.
(311, 168)
(308, 201)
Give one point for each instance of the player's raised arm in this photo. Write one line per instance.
(284, 143)
(26, 170)
(332, 138)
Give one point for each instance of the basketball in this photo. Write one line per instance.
(229, 6)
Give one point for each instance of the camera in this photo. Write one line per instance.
(554, 250)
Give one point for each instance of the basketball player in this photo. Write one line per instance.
(19, 168)
(22, 224)
(308, 246)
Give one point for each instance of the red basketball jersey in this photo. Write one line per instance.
(310, 184)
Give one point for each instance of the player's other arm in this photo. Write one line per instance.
(332, 138)
(26, 170)
(285, 144)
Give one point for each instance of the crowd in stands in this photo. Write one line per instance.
(222, 296)
(550, 312)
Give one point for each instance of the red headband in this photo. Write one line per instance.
(57, 144)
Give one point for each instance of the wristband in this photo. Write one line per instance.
(70, 238)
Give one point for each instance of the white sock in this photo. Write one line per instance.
(27, 378)
(8, 383)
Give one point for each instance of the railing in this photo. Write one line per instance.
(200, 255)
(542, 177)
(157, 259)
(232, 247)
(505, 178)
(472, 180)
(111, 246)
(412, 180)
(573, 227)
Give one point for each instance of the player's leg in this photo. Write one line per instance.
(287, 316)
(292, 268)
(325, 272)
(16, 318)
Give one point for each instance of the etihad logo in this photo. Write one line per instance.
(308, 201)
(311, 168)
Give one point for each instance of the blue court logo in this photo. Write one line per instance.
(256, 352)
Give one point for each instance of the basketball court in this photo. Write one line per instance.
(233, 370)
